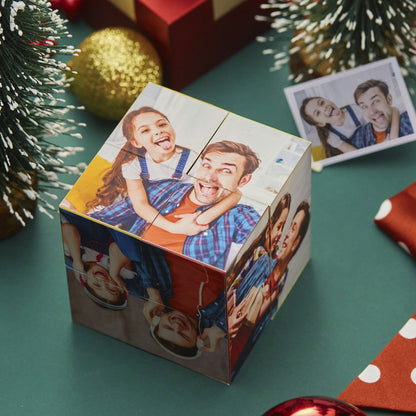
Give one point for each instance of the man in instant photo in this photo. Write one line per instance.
(375, 101)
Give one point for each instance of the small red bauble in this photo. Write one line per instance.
(71, 8)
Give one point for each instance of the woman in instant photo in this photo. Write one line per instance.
(150, 154)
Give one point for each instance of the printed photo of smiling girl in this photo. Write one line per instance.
(96, 261)
(334, 125)
(150, 155)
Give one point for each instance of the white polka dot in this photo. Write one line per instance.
(371, 374)
(409, 329)
(404, 246)
(384, 210)
(413, 375)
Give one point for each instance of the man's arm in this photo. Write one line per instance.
(246, 218)
(395, 124)
(151, 215)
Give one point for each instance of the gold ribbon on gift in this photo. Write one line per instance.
(126, 6)
(222, 7)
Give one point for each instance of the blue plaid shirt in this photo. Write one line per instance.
(211, 246)
(364, 135)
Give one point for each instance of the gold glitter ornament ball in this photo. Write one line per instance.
(112, 69)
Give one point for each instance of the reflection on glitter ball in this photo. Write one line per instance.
(112, 69)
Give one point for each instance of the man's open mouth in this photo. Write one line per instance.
(180, 320)
(101, 275)
(207, 189)
(379, 118)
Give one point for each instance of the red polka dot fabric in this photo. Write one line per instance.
(397, 218)
(389, 382)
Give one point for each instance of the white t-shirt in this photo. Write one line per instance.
(158, 171)
(349, 126)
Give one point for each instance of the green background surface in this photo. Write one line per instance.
(355, 294)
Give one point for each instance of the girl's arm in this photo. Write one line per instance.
(117, 261)
(219, 208)
(346, 147)
(138, 196)
(395, 123)
(72, 241)
(143, 209)
(154, 304)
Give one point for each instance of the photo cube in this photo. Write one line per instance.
(187, 231)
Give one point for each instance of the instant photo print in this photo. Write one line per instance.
(187, 231)
(353, 113)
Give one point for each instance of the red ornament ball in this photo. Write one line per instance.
(71, 8)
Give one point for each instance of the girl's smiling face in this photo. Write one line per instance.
(100, 282)
(154, 133)
(323, 111)
(277, 228)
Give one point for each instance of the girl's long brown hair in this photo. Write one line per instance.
(323, 131)
(114, 183)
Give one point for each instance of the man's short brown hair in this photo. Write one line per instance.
(371, 83)
(227, 146)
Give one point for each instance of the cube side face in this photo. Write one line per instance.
(247, 291)
(270, 263)
(293, 253)
(152, 299)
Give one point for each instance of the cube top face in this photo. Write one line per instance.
(186, 176)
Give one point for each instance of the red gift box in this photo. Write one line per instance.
(192, 36)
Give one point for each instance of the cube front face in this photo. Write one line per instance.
(126, 308)
(184, 236)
